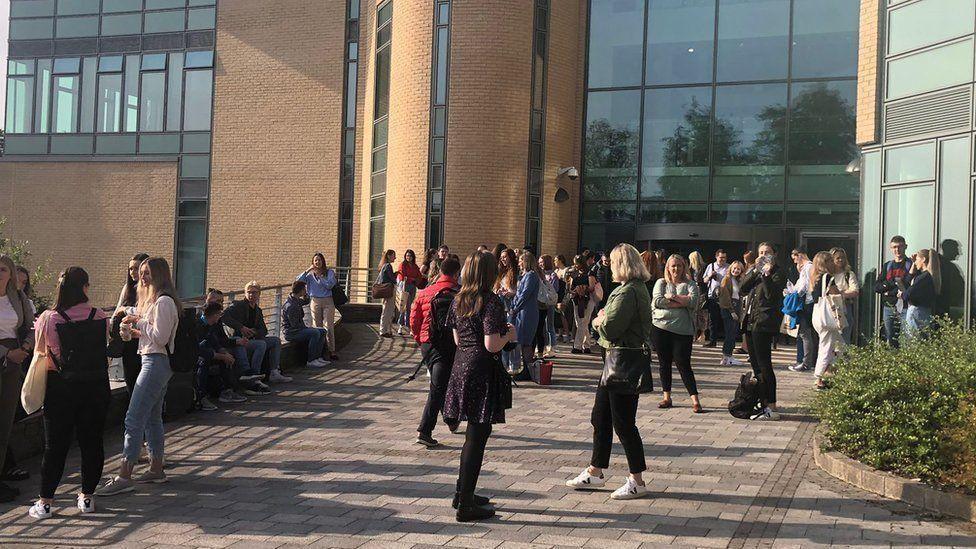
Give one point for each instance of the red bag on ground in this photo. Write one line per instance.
(541, 372)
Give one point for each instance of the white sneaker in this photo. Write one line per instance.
(318, 363)
(725, 361)
(277, 377)
(86, 504)
(768, 415)
(40, 510)
(735, 362)
(630, 490)
(586, 481)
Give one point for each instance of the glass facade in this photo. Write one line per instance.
(437, 153)
(381, 125)
(347, 167)
(719, 112)
(115, 98)
(537, 125)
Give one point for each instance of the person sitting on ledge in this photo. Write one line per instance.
(246, 318)
(295, 330)
(214, 355)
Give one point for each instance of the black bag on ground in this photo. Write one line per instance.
(83, 348)
(627, 371)
(746, 404)
(186, 348)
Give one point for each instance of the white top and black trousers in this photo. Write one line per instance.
(16, 328)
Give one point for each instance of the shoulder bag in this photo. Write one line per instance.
(627, 371)
(382, 290)
(827, 315)
(35, 384)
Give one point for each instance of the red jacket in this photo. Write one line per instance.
(420, 312)
(410, 273)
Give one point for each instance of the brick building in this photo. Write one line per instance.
(239, 136)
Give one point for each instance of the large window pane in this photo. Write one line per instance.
(954, 239)
(616, 42)
(199, 88)
(605, 237)
(929, 70)
(680, 38)
(753, 39)
(614, 212)
(823, 213)
(72, 27)
(822, 141)
(20, 104)
(42, 103)
(928, 22)
(825, 38)
(175, 92)
(440, 95)
(77, 7)
(27, 29)
(109, 102)
(129, 23)
(382, 95)
(88, 81)
(131, 115)
(915, 163)
(111, 6)
(164, 4)
(201, 19)
(664, 212)
(31, 8)
(749, 142)
(151, 115)
(910, 212)
(610, 158)
(870, 255)
(191, 257)
(747, 214)
(66, 95)
(165, 21)
(677, 124)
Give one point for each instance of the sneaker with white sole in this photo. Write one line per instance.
(151, 477)
(798, 368)
(205, 405)
(277, 377)
(768, 415)
(228, 395)
(586, 481)
(117, 485)
(86, 504)
(630, 490)
(725, 361)
(318, 363)
(735, 362)
(40, 510)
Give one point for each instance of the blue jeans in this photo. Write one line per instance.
(917, 319)
(242, 367)
(893, 321)
(731, 332)
(313, 337)
(551, 326)
(144, 418)
(258, 347)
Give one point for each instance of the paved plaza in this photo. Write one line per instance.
(330, 461)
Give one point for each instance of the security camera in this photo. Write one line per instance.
(572, 173)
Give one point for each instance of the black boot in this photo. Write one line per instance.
(478, 500)
(469, 512)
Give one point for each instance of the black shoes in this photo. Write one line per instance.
(576, 351)
(710, 344)
(427, 440)
(472, 508)
(479, 501)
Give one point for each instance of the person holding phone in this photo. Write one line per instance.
(764, 286)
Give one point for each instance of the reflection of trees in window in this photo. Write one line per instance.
(822, 126)
(610, 160)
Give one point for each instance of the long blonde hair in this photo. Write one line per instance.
(13, 294)
(696, 261)
(626, 264)
(840, 252)
(477, 279)
(160, 284)
(686, 276)
(933, 266)
(822, 264)
(728, 278)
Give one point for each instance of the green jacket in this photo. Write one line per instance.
(677, 320)
(627, 317)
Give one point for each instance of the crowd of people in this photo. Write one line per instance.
(478, 325)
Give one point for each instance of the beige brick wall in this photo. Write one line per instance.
(488, 123)
(277, 137)
(92, 214)
(564, 119)
(869, 73)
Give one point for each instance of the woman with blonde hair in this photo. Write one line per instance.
(823, 284)
(922, 294)
(155, 322)
(625, 323)
(847, 283)
(525, 307)
(674, 305)
(730, 304)
(387, 276)
(506, 282)
(16, 342)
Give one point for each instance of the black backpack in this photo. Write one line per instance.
(441, 335)
(186, 347)
(83, 348)
(746, 403)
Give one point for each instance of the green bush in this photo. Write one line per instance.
(908, 410)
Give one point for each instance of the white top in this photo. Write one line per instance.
(158, 327)
(714, 281)
(803, 284)
(8, 319)
(847, 282)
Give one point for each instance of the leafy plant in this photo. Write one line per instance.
(905, 410)
(19, 251)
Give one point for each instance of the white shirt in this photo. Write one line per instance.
(714, 283)
(803, 284)
(8, 319)
(158, 327)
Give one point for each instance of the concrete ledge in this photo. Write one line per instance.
(891, 486)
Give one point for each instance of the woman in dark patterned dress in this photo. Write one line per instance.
(481, 332)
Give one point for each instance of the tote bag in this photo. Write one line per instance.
(35, 384)
(826, 316)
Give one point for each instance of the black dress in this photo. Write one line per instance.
(470, 391)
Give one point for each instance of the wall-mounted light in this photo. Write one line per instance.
(570, 172)
(854, 166)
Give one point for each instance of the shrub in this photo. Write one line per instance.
(20, 252)
(908, 410)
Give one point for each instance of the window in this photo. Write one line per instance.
(154, 62)
(930, 70)
(73, 27)
(753, 39)
(110, 64)
(747, 214)
(201, 19)
(175, 92)
(29, 29)
(20, 66)
(910, 212)
(67, 65)
(617, 41)
(165, 21)
(77, 7)
(823, 213)
(42, 102)
(610, 157)
(191, 256)
(914, 163)
(115, 25)
(664, 212)
(66, 95)
(199, 59)
(928, 22)
(749, 142)
(31, 8)
(131, 116)
(954, 238)
(610, 212)
(109, 102)
(88, 81)
(596, 236)
(825, 38)
(113, 6)
(382, 102)
(680, 41)
(164, 4)
(822, 141)
(20, 104)
(199, 90)
(677, 125)
(151, 96)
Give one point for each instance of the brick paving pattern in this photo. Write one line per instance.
(330, 461)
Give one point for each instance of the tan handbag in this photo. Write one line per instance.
(35, 384)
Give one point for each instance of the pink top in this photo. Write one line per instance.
(49, 320)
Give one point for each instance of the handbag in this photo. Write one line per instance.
(382, 290)
(339, 297)
(115, 344)
(502, 384)
(826, 315)
(627, 371)
(35, 384)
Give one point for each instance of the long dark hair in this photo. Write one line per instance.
(325, 264)
(71, 288)
(129, 289)
(477, 278)
(497, 251)
(412, 254)
(28, 289)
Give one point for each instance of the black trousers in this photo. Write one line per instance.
(440, 373)
(761, 360)
(616, 412)
(541, 333)
(472, 456)
(674, 349)
(73, 409)
(131, 364)
(716, 327)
